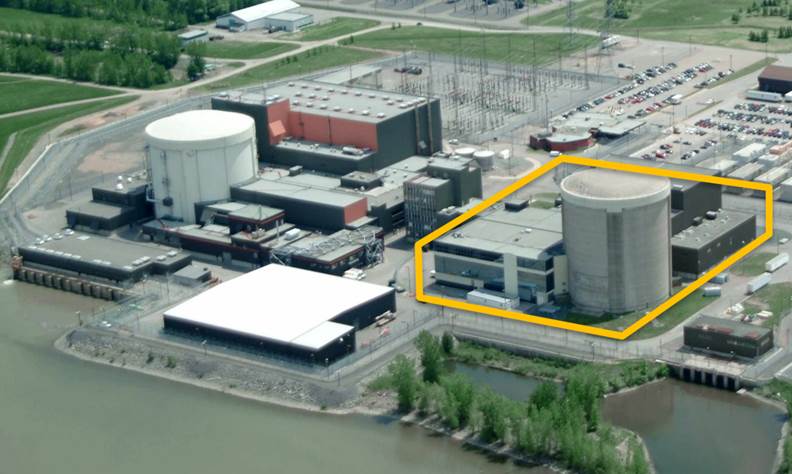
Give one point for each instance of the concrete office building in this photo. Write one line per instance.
(517, 253)
(617, 240)
(287, 311)
(337, 129)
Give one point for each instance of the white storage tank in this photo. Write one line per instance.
(485, 159)
(466, 152)
(195, 157)
(617, 236)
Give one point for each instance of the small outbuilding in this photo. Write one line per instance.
(273, 15)
(776, 79)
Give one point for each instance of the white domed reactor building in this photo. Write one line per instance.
(195, 157)
(617, 237)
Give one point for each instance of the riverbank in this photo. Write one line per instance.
(209, 373)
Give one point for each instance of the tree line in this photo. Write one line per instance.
(563, 425)
(165, 14)
(134, 57)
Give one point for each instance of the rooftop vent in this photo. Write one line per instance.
(380, 115)
(298, 94)
(344, 91)
(322, 106)
(390, 102)
(365, 112)
(351, 110)
(358, 93)
(336, 108)
(291, 84)
(303, 86)
(309, 104)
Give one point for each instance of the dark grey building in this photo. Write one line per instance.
(728, 338)
(337, 129)
(776, 79)
(703, 245)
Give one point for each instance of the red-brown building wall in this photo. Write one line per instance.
(278, 112)
(355, 211)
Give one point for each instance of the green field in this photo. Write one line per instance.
(18, 93)
(13, 16)
(246, 49)
(315, 59)
(705, 22)
(28, 128)
(672, 317)
(338, 26)
(753, 264)
(776, 298)
(520, 48)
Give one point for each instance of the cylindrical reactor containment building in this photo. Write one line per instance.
(195, 157)
(617, 238)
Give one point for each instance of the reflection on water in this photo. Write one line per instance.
(60, 414)
(688, 428)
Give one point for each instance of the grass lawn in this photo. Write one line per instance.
(761, 64)
(315, 59)
(338, 26)
(705, 22)
(753, 264)
(246, 49)
(776, 298)
(13, 16)
(18, 93)
(502, 47)
(30, 127)
(675, 315)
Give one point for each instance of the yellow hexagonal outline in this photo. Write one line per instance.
(632, 168)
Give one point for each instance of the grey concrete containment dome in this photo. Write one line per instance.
(617, 236)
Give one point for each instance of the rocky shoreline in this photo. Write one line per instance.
(256, 384)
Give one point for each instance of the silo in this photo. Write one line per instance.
(617, 238)
(195, 157)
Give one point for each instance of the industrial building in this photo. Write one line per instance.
(691, 200)
(337, 129)
(74, 253)
(294, 313)
(193, 36)
(518, 253)
(728, 338)
(273, 15)
(112, 206)
(306, 206)
(617, 240)
(711, 239)
(195, 157)
(776, 79)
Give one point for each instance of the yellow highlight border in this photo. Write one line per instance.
(632, 168)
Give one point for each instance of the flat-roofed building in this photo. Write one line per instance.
(728, 338)
(518, 253)
(286, 311)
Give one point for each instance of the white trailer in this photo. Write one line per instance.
(492, 299)
(758, 283)
(777, 262)
(765, 96)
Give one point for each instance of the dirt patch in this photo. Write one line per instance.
(115, 158)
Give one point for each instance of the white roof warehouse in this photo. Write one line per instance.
(271, 14)
(284, 310)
